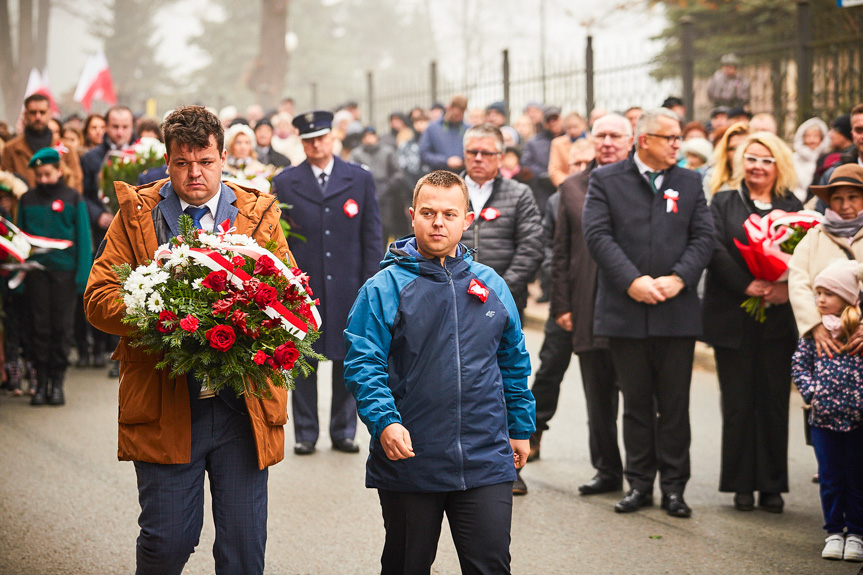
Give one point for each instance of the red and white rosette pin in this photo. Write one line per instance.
(478, 290)
(57, 205)
(351, 208)
(490, 214)
(670, 197)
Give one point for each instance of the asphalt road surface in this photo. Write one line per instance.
(67, 506)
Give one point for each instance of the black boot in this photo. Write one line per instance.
(40, 397)
(56, 397)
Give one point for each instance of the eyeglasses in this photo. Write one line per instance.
(764, 161)
(670, 138)
(601, 137)
(480, 153)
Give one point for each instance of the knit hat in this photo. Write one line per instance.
(842, 124)
(44, 156)
(842, 278)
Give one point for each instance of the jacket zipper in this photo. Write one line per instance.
(475, 241)
(458, 379)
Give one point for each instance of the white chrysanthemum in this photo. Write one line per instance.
(209, 240)
(137, 282)
(156, 304)
(197, 284)
(159, 277)
(134, 303)
(150, 268)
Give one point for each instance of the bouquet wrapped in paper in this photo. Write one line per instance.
(126, 165)
(772, 240)
(222, 307)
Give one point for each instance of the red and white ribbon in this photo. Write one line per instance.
(670, 197)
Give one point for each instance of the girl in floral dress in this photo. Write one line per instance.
(833, 387)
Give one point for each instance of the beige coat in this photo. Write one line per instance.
(814, 253)
(17, 154)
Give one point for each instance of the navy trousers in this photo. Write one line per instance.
(172, 498)
(479, 520)
(304, 406)
(840, 475)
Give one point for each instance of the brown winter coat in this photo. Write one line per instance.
(154, 417)
(17, 154)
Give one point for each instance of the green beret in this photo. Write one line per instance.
(44, 156)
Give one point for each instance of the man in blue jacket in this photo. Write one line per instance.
(437, 363)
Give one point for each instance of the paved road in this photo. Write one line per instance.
(67, 506)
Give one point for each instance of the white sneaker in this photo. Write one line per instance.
(834, 547)
(853, 548)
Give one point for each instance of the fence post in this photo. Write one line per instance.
(688, 64)
(370, 94)
(433, 81)
(804, 61)
(588, 75)
(506, 82)
(314, 95)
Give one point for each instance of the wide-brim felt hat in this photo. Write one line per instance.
(846, 175)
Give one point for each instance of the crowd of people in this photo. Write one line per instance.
(630, 222)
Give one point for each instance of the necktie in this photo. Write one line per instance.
(323, 180)
(196, 214)
(651, 179)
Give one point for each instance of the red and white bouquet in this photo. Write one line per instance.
(126, 165)
(16, 247)
(772, 240)
(222, 307)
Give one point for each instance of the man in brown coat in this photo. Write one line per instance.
(573, 290)
(37, 135)
(170, 428)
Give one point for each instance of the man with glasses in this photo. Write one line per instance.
(647, 226)
(507, 230)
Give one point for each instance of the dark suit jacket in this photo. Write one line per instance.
(339, 252)
(573, 271)
(152, 175)
(630, 233)
(728, 276)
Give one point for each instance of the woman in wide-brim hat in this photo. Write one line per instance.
(839, 237)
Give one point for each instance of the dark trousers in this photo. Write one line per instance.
(654, 375)
(755, 381)
(554, 357)
(840, 474)
(82, 330)
(172, 498)
(51, 298)
(602, 397)
(304, 406)
(479, 520)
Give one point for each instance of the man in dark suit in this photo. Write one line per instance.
(334, 208)
(647, 226)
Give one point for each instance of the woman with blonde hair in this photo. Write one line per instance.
(753, 359)
(720, 175)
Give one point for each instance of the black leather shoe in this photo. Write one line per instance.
(346, 445)
(744, 501)
(304, 448)
(519, 487)
(674, 504)
(599, 485)
(771, 502)
(634, 501)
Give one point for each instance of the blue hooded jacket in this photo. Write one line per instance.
(452, 369)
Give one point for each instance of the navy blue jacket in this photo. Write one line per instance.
(450, 368)
(339, 252)
(441, 141)
(152, 175)
(630, 232)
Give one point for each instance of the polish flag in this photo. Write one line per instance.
(96, 83)
(37, 83)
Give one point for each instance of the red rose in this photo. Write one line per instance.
(189, 323)
(286, 355)
(272, 363)
(265, 267)
(216, 281)
(272, 323)
(221, 337)
(238, 261)
(266, 295)
(260, 357)
(166, 316)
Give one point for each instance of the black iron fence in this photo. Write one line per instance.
(812, 73)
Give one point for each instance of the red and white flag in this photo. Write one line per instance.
(96, 83)
(37, 83)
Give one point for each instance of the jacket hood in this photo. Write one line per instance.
(823, 147)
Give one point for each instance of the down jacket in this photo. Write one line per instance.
(509, 242)
(451, 368)
(154, 416)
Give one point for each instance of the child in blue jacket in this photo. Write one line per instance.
(833, 387)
